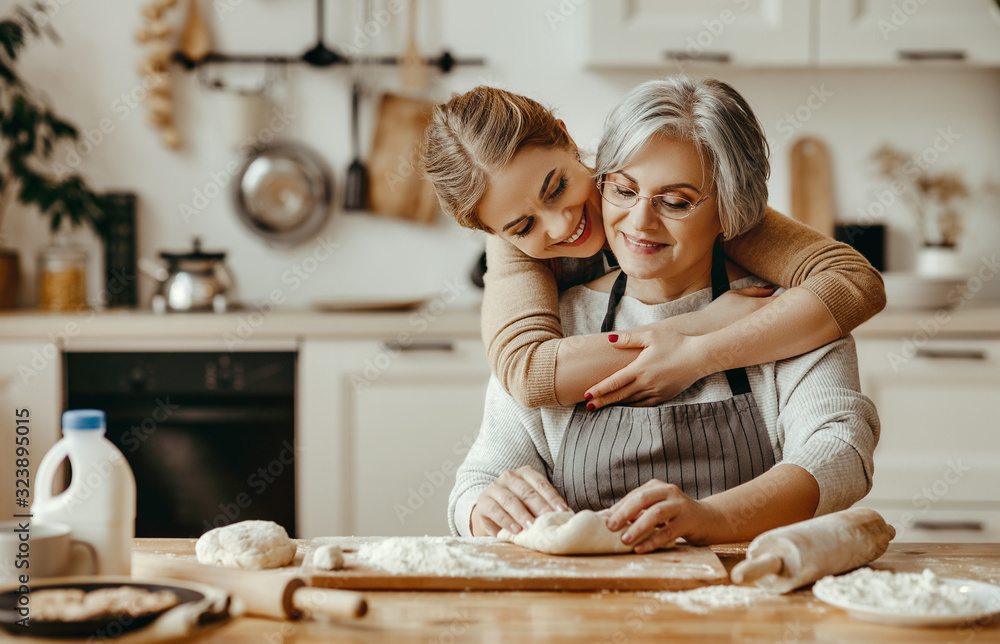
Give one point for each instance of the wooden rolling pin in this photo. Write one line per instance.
(792, 556)
(265, 593)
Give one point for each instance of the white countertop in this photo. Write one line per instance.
(250, 325)
(298, 324)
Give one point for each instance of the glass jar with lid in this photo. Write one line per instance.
(62, 278)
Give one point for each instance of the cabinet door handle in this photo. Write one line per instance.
(970, 526)
(430, 345)
(951, 354)
(931, 55)
(703, 57)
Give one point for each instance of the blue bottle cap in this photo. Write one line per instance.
(83, 419)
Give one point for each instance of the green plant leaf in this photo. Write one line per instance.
(11, 37)
(59, 127)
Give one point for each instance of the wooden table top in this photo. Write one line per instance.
(616, 616)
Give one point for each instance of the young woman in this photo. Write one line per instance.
(740, 452)
(504, 164)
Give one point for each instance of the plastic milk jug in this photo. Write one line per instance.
(99, 504)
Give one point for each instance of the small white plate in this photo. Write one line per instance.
(986, 595)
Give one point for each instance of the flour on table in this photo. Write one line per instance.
(248, 544)
(704, 600)
(439, 556)
(909, 593)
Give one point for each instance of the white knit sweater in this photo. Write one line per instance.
(812, 404)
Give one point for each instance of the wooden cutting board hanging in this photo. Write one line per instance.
(396, 187)
(812, 187)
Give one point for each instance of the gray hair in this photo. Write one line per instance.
(721, 124)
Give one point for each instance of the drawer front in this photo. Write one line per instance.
(939, 405)
(940, 525)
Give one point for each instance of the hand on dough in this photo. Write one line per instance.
(513, 501)
(660, 513)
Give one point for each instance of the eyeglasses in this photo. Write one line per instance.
(671, 205)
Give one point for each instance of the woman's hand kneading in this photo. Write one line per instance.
(659, 513)
(513, 501)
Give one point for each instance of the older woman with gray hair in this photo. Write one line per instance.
(682, 164)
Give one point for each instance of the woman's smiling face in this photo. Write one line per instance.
(545, 203)
(649, 245)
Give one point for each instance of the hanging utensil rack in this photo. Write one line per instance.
(321, 56)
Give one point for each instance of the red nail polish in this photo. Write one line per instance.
(588, 396)
(590, 407)
(613, 337)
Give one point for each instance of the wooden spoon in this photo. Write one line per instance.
(412, 69)
(194, 41)
(812, 189)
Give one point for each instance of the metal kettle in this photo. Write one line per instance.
(194, 281)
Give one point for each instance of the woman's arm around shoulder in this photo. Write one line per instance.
(791, 254)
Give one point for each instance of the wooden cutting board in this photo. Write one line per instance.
(812, 189)
(518, 568)
(396, 186)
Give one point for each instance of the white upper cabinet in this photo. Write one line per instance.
(662, 33)
(665, 34)
(889, 32)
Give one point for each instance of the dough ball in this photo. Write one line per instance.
(328, 558)
(248, 544)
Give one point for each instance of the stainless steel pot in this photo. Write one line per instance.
(195, 281)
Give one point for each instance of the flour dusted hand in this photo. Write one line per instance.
(568, 533)
(248, 544)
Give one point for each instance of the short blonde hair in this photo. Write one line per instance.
(473, 137)
(721, 124)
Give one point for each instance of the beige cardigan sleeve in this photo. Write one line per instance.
(520, 311)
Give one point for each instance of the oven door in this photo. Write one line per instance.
(201, 459)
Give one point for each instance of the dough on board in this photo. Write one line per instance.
(248, 544)
(328, 558)
(74, 605)
(568, 533)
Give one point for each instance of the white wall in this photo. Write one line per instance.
(97, 62)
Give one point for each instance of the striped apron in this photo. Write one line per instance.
(703, 448)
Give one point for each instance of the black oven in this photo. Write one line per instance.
(209, 435)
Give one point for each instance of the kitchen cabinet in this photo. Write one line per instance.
(937, 465)
(386, 425)
(792, 33)
(891, 32)
(30, 379)
(656, 33)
